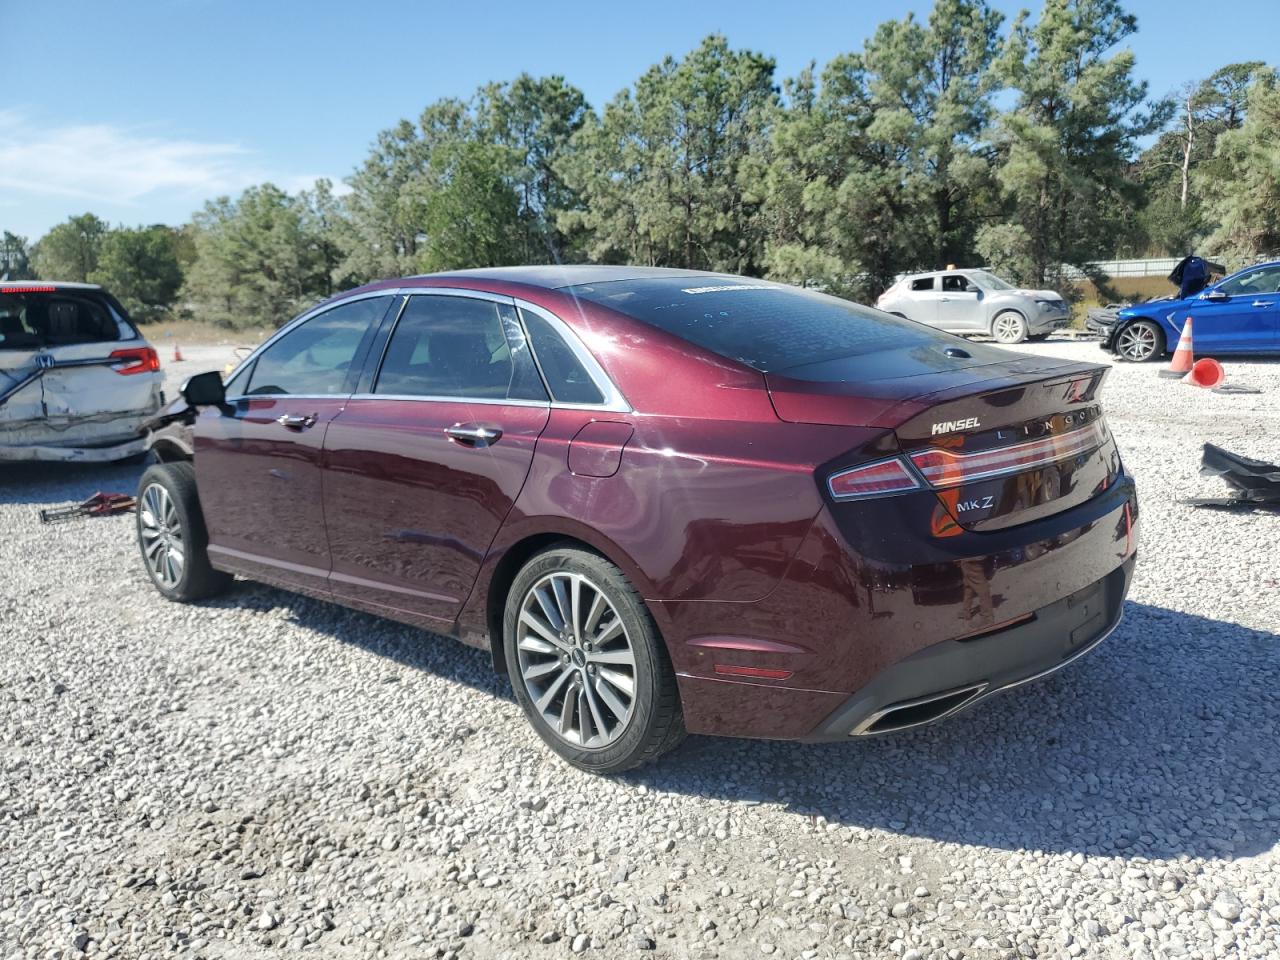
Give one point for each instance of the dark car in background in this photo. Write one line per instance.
(665, 501)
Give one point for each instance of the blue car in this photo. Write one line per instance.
(1240, 314)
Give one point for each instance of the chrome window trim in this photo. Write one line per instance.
(488, 401)
(614, 401)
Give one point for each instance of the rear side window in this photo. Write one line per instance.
(766, 326)
(459, 347)
(567, 378)
(316, 357)
(31, 321)
(922, 283)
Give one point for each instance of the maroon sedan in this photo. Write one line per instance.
(664, 500)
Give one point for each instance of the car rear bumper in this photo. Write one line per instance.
(96, 454)
(943, 679)
(853, 638)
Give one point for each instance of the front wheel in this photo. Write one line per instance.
(172, 535)
(587, 663)
(1009, 327)
(1140, 341)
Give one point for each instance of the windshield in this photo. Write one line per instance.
(766, 326)
(33, 321)
(989, 281)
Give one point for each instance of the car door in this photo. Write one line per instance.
(423, 466)
(1239, 315)
(958, 307)
(921, 300)
(258, 459)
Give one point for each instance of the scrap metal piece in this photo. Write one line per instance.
(1255, 483)
(99, 505)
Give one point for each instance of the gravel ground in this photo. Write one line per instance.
(266, 773)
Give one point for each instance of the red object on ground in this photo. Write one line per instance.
(1184, 356)
(1206, 373)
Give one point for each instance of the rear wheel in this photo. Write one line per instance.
(1140, 341)
(1009, 327)
(172, 536)
(587, 663)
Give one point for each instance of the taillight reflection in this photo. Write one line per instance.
(135, 360)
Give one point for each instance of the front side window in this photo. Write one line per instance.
(956, 283)
(458, 347)
(1246, 282)
(922, 283)
(316, 357)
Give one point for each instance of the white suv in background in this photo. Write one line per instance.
(975, 301)
(77, 379)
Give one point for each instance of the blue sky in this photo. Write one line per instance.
(139, 110)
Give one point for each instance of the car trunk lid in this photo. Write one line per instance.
(1001, 438)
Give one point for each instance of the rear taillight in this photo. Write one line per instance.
(877, 479)
(939, 469)
(135, 360)
(947, 468)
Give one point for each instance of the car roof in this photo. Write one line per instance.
(558, 276)
(58, 284)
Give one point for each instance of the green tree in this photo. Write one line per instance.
(1174, 170)
(662, 176)
(255, 262)
(140, 267)
(473, 216)
(15, 257)
(70, 250)
(1246, 204)
(534, 118)
(1066, 146)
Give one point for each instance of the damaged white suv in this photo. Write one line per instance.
(77, 379)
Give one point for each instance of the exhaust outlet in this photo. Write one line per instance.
(914, 713)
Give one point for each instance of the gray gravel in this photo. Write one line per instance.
(265, 774)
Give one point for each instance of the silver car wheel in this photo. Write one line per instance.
(576, 660)
(1137, 342)
(1009, 327)
(163, 544)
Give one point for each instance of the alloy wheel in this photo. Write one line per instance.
(163, 544)
(576, 660)
(1008, 328)
(1137, 342)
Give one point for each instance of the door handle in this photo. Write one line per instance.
(296, 421)
(472, 435)
(1262, 303)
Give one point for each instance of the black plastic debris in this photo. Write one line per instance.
(1255, 484)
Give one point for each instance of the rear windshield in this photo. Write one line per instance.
(36, 320)
(767, 326)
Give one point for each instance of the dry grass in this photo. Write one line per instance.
(200, 332)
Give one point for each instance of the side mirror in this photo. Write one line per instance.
(1213, 295)
(205, 390)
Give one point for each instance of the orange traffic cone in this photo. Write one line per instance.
(1206, 373)
(1183, 357)
(178, 358)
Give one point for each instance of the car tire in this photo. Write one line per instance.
(1140, 341)
(172, 536)
(1009, 326)
(596, 684)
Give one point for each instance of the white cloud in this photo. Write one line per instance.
(111, 164)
